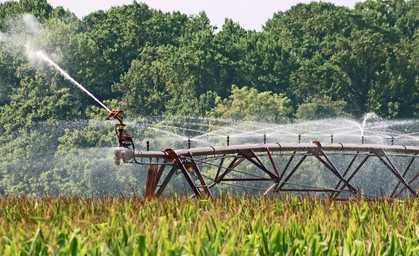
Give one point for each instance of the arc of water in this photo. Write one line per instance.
(407, 135)
(365, 119)
(329, 131)
(180, 128)
(255, 132)
(44, 57)
(171, 133)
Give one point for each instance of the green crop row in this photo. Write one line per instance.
(229, 225)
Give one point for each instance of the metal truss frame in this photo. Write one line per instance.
(271, 176)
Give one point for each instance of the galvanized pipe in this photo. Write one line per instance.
(272, 147)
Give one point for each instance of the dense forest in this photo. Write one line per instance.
(312, 61)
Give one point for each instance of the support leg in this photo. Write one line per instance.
(151, 177)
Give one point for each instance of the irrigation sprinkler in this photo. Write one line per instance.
(124, 139)
(269, 177)
(276, 167)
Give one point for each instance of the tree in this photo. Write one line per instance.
(79, 55)
(9, 61)
(38, 98)
(304, 29)
(391, 18)
(321, 107)
(165, 28)
(395, 93)
(120, 33)
(171, 79)
(41, 9)
(143, 87)
(250, 104)
(316, 78)
(362, 58)
(230, 43)
(267, 65)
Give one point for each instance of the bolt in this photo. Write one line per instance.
(228, 140)
(189, 143)
(392, 140)
(362, 140)
(331, 138)
(299, 138)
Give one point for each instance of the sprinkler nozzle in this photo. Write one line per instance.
(122, 154)
(125, 140)
(115, 114)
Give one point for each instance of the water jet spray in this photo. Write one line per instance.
(44, 57)
(124, 139)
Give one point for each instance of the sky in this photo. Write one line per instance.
(250, 14)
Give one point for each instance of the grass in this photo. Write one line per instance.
(230, 225)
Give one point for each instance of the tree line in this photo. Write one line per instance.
(312, 61)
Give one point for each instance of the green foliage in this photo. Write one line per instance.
(267, 64)
(93, 135)
(8, 66)
(318, 77)
(249, 104)
(41, 9)
(307, 29)
(167, 63)
(228, 225)
(144, 85)
(312, 61)
(23, 160)
(39, 98)
(319, 108)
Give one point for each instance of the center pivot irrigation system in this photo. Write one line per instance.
(338, 170)
(278, 167)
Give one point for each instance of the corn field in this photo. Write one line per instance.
(229, 225)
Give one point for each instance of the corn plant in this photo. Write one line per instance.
(229, 225)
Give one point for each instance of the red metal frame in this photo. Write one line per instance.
(266, 170)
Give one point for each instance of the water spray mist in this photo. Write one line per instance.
(44, 57)
(125, 140)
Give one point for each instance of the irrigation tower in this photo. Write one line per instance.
(346, 170)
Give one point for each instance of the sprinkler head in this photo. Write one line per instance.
(122, 153)
(115, 114)
(124, 139)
